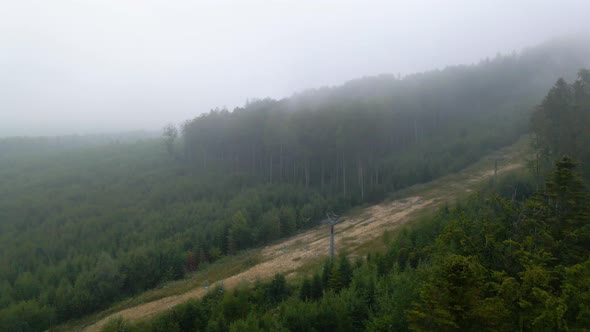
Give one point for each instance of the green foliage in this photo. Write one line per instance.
(26, 316)
(477, 267)
(576, 294)
(88, 221)
(392, 294)
(560, 123)
(277, 290)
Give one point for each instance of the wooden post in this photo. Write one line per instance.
(331, 241)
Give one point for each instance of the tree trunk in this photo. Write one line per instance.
(271, 168)
(376, 175)
(253, 160)
(415, 131)
(361, 180)
(322, 177)
(281, 163)
(337, 177)
(343, 177)
(306, 173)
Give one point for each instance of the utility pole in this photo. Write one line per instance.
(333, 220)
(331, 242)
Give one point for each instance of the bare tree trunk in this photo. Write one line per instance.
(322, 177)
(361, 180)
(253, 160)
(376, 175)
(306, 173)
(271, 168)
(371, 164)
(343, 177)
(281, 163)
(415, 131)
(337, 177)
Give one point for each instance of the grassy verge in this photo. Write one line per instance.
(223, 268)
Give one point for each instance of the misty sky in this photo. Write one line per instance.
(110, 65)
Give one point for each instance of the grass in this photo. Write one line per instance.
(221, 269)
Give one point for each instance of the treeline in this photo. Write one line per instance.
(19, 146)
(379, 134)
(490, 264)
(83, 228)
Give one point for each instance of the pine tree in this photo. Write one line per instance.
(305, 293)
(569, 203)
(335, 280)
(558, 218)
(345, 270)
(316, 287)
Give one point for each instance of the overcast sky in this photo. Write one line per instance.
(107, 65)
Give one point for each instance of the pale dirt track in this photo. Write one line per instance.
(291, 254)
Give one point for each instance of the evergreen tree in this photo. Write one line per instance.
(305, 293)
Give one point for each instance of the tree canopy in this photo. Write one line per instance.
(490, 264)
(87, 222)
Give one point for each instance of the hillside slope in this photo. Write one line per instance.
(85, 225)
(356, 232)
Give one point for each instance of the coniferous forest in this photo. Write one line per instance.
(88, 222)
(496, 262)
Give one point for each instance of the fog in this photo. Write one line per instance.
(111, 65)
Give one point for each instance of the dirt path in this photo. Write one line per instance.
(291, 254)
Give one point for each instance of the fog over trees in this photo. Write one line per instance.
(110, 66)
(146, 144)
(88, 223)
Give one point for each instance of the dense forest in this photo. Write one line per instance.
(85, 226)
(497, 262)
(375, 135)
